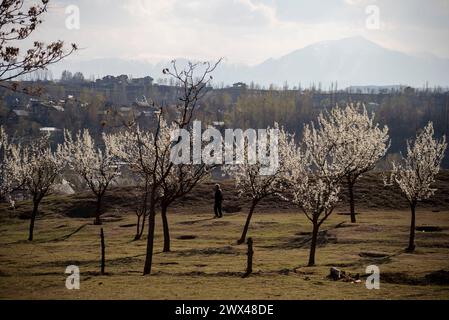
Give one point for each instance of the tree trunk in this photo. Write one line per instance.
(103, 249)
(411, 242)
(33, 218)
(150, 239)
(248, 220)
(166, 229)
(313, 244)
(137, 236)
(351, 199)
(142, 228)
(97, 220)
(249, 263)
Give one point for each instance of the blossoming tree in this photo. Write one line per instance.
(137, 148)
(417, 172)
(181, 180)
(39, 167)
(97, 167)
(10, 179)
(314, 180)
(192, 86)
(248, 174)
(359, 143)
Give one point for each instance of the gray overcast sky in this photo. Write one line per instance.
(242, 31)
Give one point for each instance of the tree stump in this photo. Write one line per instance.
(335, 274)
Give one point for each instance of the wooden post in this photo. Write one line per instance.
(249, 264)
(102, 251)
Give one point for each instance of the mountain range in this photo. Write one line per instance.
(353, 61)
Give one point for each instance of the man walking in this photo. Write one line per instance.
(218, 201)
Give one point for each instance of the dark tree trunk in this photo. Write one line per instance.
(137, 236)
(249, 263)
(97, 220)
(411, 242)
(142, 228)
(313, 244)
(351, 199)
(33, 218)
(150, 239)
(248, 220)
(103, 249)
(166, 229)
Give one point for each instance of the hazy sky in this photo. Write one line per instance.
(242, 31)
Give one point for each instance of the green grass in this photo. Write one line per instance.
(210, 265)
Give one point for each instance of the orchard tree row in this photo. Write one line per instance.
(342, 144)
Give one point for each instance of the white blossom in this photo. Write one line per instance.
(418, 170)
(314, 178)
(248, 178)
(6, 167)
(139, 149)
(247, 175)
(38, 167)
(10, 176)
(358, 142)
(149, 159)
(97, 167)
(315, 175)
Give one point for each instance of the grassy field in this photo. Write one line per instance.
(208, 264)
